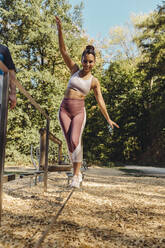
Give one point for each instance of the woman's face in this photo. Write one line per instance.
(88, 61)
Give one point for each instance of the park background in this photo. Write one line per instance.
(130, 67)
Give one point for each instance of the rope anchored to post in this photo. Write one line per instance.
(54, 220)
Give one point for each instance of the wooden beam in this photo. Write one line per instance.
(55, 139)
(8, 178)
(42, 132)
(46, 155)
(54, 168)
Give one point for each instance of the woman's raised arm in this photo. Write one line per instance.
(68, 61)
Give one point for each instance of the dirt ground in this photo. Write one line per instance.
(112, 210)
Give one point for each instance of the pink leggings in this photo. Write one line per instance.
(72, 117)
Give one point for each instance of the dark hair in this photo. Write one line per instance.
(89, 50)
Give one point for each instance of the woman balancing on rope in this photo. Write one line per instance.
(72, 115)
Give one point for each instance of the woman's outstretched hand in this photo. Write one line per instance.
(111, 126)
(58, 22)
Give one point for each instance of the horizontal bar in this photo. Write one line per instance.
(26, 174)
(53, 168)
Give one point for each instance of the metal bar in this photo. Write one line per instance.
(46, 156)
(36, 105)
(3, 127)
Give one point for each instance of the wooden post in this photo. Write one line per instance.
(59, 143)
(60, 154)
(46, 156)
(3, 127)
(42, 148)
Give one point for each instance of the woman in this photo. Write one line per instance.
(72, 115)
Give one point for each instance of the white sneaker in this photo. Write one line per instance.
(80, 177)
(75, 182)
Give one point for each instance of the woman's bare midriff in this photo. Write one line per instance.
(73, 94)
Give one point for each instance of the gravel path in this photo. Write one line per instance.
(115, 208)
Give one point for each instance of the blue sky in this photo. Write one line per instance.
(101, 15)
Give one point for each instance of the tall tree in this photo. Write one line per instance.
(152, 42)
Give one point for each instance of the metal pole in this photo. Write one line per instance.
(3, 127)
(46, 156)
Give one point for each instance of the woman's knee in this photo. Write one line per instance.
(73, 143)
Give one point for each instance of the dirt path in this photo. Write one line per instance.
(129, 170)
(113, 209)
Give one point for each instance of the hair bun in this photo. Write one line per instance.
(90, 47)
(89, 50)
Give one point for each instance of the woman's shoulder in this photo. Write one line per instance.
(95, 82)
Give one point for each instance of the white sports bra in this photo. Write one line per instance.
(80, 84)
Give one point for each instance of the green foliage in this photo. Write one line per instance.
(133, 86)
(152, 43)
(125, 102)
(28, 28)
(134, 92)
